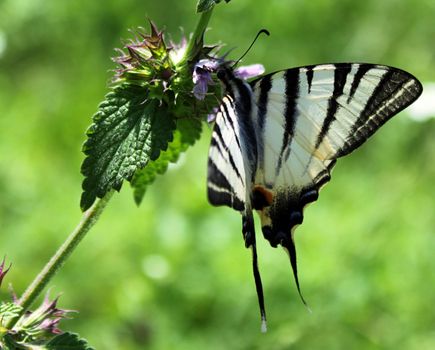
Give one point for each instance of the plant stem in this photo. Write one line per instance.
(89, 218)
(92, 214)
(196, 42)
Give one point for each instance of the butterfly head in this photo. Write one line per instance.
(205, 69)
(224, 73)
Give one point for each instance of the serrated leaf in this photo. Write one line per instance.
(206, 5)
(68, 341)
(9, 310)
(128, 131)
(188, 131)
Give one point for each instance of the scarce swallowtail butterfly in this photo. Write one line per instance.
(276, 139)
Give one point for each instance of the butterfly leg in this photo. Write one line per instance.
(249, 236)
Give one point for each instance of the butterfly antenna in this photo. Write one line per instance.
(265, 31)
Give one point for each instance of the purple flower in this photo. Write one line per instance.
(147, 58)
(246, 72)
(44, 320)
(202, 74)
(202, 77)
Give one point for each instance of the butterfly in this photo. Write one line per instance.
(276, 139)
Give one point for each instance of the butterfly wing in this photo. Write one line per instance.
(230, 166)
(232, 163)
(308, 117)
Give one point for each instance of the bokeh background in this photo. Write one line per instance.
(174, 273)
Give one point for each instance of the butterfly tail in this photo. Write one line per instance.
(290, 248)
(249, 236)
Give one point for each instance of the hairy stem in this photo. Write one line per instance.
(58, 259)
(92, 214)
(196, 42)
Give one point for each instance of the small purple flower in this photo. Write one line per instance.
(44, 320)
(146, 58)
(246, 72)
(50, 325)
(3, 272)
(202, 77)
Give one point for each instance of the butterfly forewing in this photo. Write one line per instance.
(227, 168)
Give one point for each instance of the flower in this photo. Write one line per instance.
(33, 327)
(174, 76)
(42, 322)
(247, 72)
(164, 70)
(147, 59)
(202, 77)
(202, 74)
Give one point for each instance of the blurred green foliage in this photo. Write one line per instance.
(174, 273)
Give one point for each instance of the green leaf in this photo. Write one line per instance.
(206, 5)
(188, 131)
(64, 341)
(68, 341)
(128, 131)
(8, 343)
(9, 310)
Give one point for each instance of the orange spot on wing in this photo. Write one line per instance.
(265, 193)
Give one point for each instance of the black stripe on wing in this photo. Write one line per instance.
(340, 75)
(265, 86)
(309, 74)
(220, 191)
(395, 91)
(262, 108)
(225, 106)
(222, 152)
(291, 77)
(362, 70)
(226, 184)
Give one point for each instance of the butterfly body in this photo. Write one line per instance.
(276, 140)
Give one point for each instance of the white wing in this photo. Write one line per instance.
(226, 164)
(308, 117)
(274, 144)
(232, 162)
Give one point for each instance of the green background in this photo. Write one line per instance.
(174, 272)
